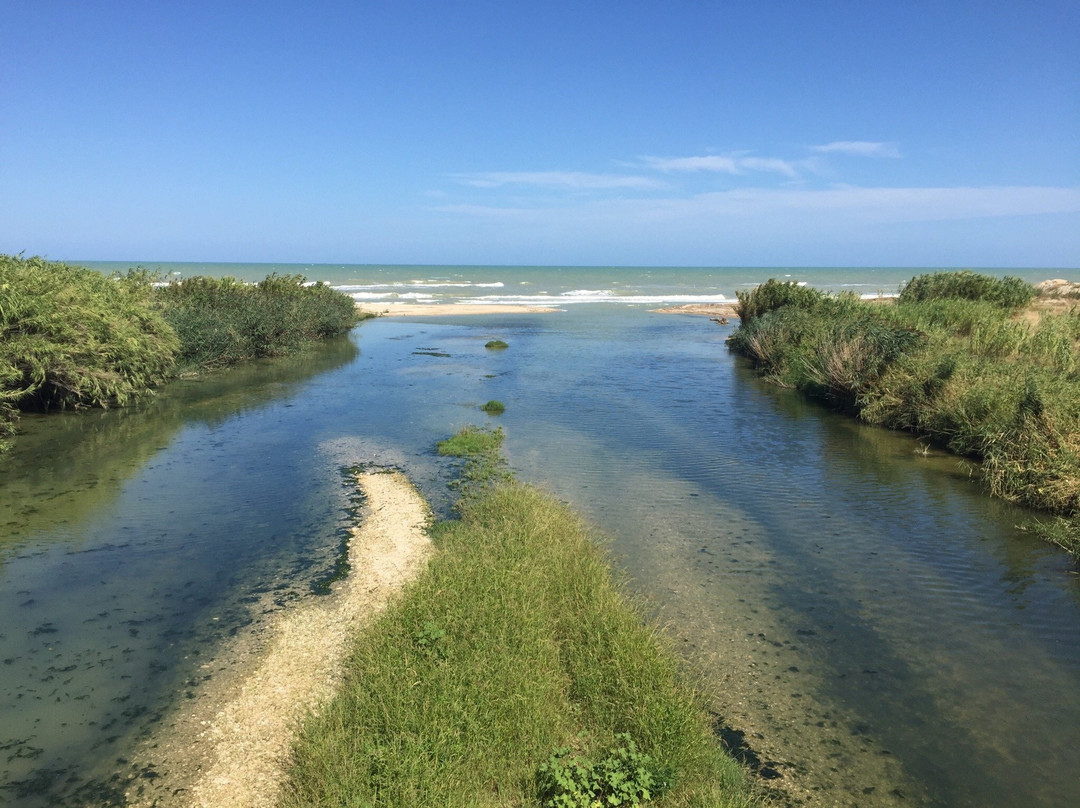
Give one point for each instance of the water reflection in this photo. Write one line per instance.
(66, 466)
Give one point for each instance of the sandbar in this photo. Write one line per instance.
(707, 309)
(231, 748)
(448, 309)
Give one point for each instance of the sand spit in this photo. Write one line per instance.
(448, 309)
(231, 749)
(726, 310)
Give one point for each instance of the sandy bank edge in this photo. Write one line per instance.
(231, 747)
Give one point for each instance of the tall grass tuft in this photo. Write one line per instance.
(222, 321)
(514, 644)
(71, 337)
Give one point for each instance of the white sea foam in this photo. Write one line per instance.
(599, 296)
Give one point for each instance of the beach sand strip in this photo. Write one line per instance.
(448, 309)
(231, 748)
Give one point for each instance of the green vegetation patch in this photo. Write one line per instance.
(71, 337)
(496, 345)
(513, 672)
(949, 361)
(222, 321)
(483, 463)
(1007, 292)
(494, 407)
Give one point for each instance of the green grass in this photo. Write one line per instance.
(969, 374)
(514, 645)
(494, 407)
(496, 345)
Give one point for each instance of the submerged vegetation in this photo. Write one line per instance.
(512, 672)
(71, 337)
(960, 359)
(494, 407)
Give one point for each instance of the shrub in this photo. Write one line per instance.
(222, 321)
(494, 407)
(1007, 292)
(71, 337)
(774, 294)
(496, 345)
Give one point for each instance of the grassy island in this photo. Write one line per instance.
(968, 361)
(512, 672)
(71, 337)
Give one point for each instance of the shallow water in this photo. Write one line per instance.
(877, 626)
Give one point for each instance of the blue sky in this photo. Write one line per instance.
(673, 133)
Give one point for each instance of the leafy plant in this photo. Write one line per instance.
(429, 640)
(626, 776)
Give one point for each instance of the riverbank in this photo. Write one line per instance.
(972, 363)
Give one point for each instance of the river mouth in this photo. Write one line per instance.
(873, 625)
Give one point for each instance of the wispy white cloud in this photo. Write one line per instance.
(859, 148)
(571, 180)
(737, 163)
(712, 162)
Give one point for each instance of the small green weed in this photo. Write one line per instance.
(429, 640)
(626, 776)
(496, 345)
(494, 407)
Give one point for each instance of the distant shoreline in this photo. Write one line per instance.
(447, 309)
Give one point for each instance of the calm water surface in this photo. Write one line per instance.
(876, 626)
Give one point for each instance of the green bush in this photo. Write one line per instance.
(774, 294)
(1007, 292)
(494, 407)
(496, 345)
(71, 337)
(222, 321)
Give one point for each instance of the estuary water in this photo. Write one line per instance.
(873, 627)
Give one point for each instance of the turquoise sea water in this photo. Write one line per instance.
(563, 286)
(878, 627)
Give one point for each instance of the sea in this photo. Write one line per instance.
(561, 286)
(867, 625)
